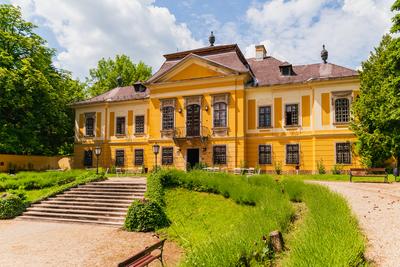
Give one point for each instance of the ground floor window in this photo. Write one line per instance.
(343, 153)
(88, 158)
(264, 154)
(219, 155)
(139, 157)
(119, 157)
(292, 154)
(167, 156)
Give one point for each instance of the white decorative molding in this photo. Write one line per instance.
(169, 102)
(190, 100)
(224, 98)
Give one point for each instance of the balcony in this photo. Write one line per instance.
(192, 135)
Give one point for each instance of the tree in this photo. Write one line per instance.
(105, 76)
(34, 96)
(377, 110)
(396, 18)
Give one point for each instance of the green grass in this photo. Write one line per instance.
(334, 177)
(329, 234)
(225, 228)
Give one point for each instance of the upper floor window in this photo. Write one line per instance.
(292, 154)
(89, 124)
(342, 110)
(120, 125)
(264, 154)
(139, 124)
(343, 153)
(264, 117)
(168, 118)
(220, 114)
(139, 157)
(167, 156)
(292, 115)
(88, 158)
(219, 155)
(119, 157)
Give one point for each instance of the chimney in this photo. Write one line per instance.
(261, 52)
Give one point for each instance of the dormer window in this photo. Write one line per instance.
(286, 69)
(139, 87)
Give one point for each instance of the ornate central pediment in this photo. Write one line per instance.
(194, 67)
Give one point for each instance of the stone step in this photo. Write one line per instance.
(86, 196)
(106, 194)
(78, 211)
(61, 220)
(99, 200)
(87, 203)
(82, 207)
(74, 216)
(106, 189)
(107, 183)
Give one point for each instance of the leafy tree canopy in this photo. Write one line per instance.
(105, 76)
(377, 109)
(396, 18)
(34, 96)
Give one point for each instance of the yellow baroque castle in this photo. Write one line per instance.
(214, 106)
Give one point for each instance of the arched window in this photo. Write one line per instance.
(167, 118)
(220, 114)
(342, 110)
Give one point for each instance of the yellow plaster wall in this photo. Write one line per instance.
(37, 163)
(325, 103)
(194, 71)
(278, 112)
(251, 114)
(305, 110)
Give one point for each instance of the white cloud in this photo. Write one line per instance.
(295, 30)
(89, 30)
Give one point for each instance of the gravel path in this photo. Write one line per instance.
(31, 243)
(377, 207)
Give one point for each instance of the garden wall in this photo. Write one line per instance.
(38, 163)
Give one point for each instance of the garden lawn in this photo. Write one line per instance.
(220, 220)
(334, 177)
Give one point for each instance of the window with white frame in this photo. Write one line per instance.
(342, 110)
(139, 124)
(168, 118)
(120, 129)
(264, 117)
(292, 115)
(264, 154)
(220, 114)
(343, 153)
(292, 154)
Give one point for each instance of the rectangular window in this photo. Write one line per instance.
(292, 154)
(220, 114)
(89, 124)
(167, 157)
(168, 118)
(219, 155)
(343, 153)
(264, 154)
(139, 157)
(292, 115)
(264, 117)
(342, 110)
(88, 158)
(139, 124)
(119, 157)
(120, 126)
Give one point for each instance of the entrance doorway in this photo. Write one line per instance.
(193, 157)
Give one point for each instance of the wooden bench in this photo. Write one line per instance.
(369, 172)
(144, 257)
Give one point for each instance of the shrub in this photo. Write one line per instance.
(337, 169)
(278, 167)
(320, 167)
(294, 189)
(145, 216)
(11, 206)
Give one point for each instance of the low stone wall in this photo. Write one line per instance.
(34, 163)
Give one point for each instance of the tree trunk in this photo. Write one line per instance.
(276, 241)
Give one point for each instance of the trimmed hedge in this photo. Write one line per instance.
(11, 206)
(145, 216)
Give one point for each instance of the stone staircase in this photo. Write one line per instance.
(104, 202)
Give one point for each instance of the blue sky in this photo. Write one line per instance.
(83, 31)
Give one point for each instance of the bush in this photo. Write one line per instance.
(145, 216)
(320, 167)
(278, 167)
(11, 206)
(337, 169)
